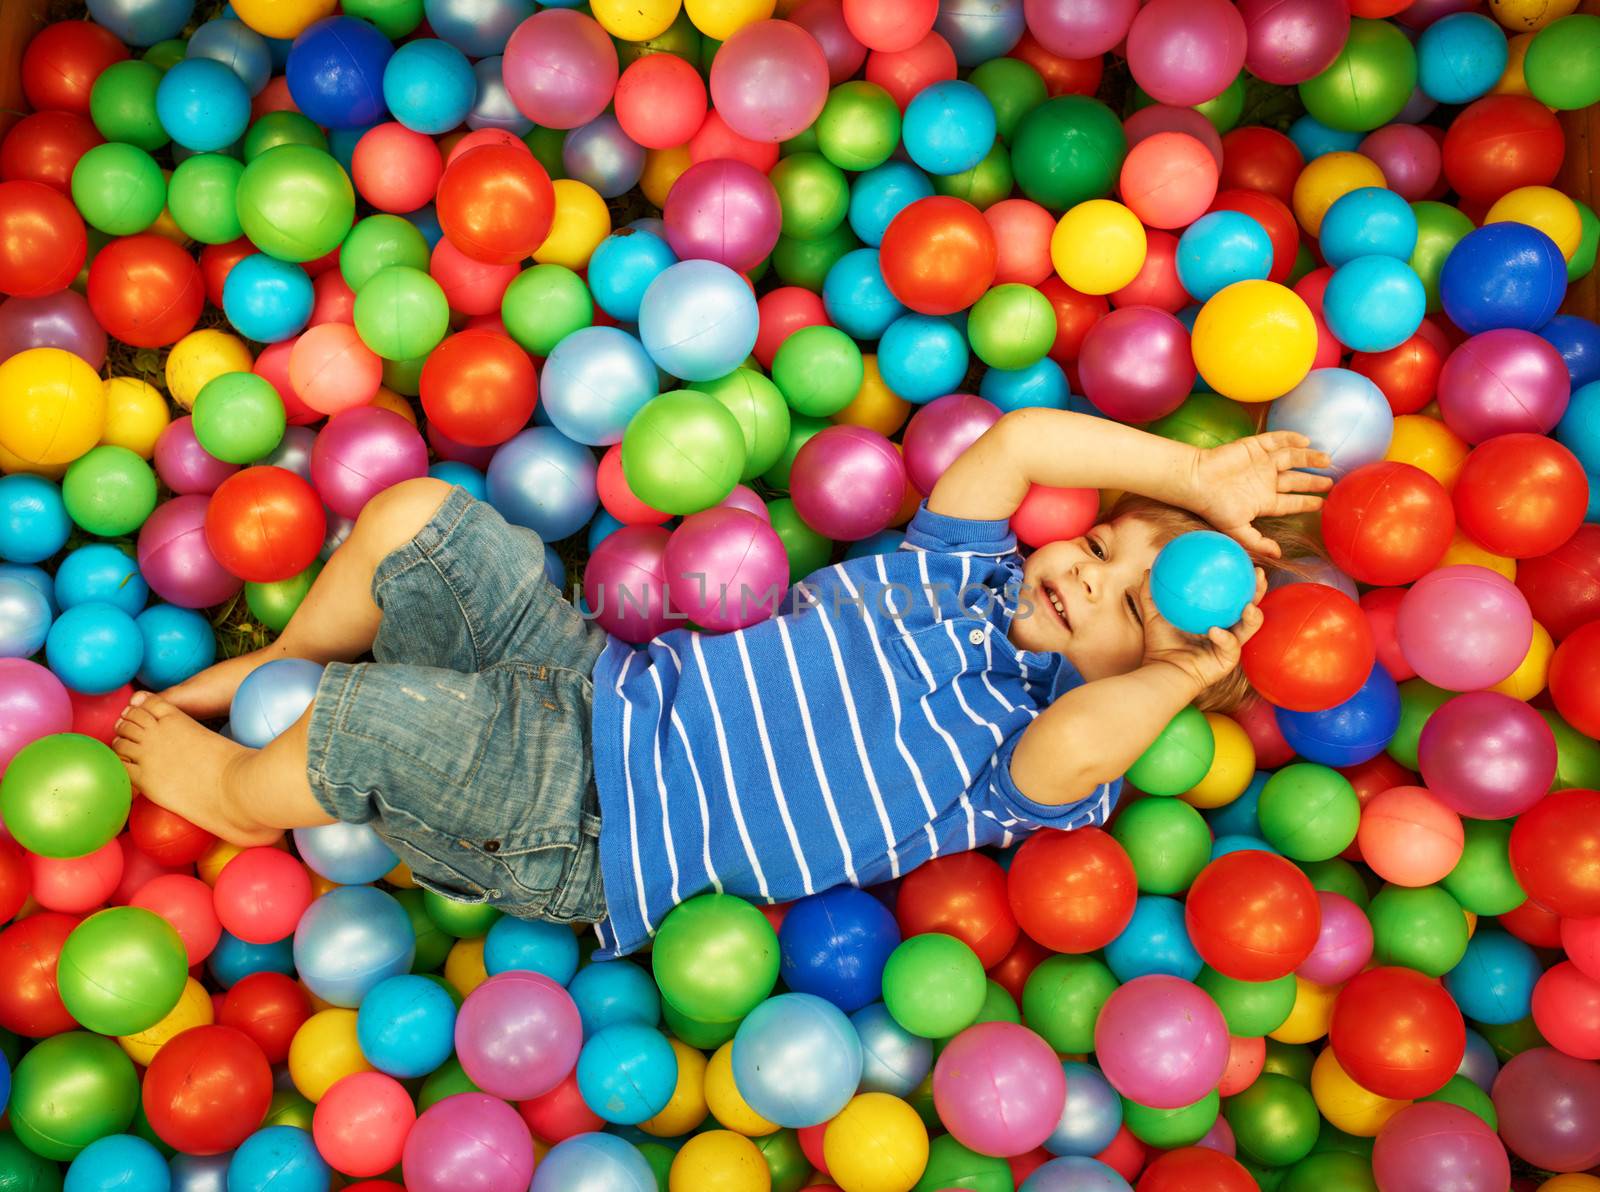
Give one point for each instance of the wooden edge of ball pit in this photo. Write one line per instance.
(19, 21)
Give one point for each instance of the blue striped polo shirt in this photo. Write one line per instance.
(866, 729)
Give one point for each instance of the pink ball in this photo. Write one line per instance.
(824, 20)
(1487, 756)
(726, 568)
(1433, 1146)
(1135, 365)
(999, 1089)
(361, 452)
(518, 1035)
(60, 320)
(625, 583)
(1549, 1107)
(1184, 52)
(332, 370)
(183, 465)
(1161, 1041)
(746, 498)
(940, 431)
(447, 448)
(1289, 41)
(175, 559)
(470, 1141)
(1220, 1138)
(1503, 381)
(1072, 29)
(1160, 117)
(1464, 627)
(769, 81)
(1344, 945)
(361, 1123)
(1410, 159)
(560, 68)
(1409, 836)
(848, 482)
(33, 704)
(723, 210)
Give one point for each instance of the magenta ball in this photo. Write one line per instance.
(1073, 29)
(1185, 52)
(1344, 945)
(518, 1035)
(625, 584)
(1135, 364)
(60, 320)
(824, 20)
(940, 431)
(33, 704)
(1487, 755)
(1288, 41)
(769, 81)
(723, 210)
(1422, 13)
(447, 448)
(746, 498)
(848, 482)
(725, 568)
(1464, 627)
(361, 452)
(1409, 158)
(469, 1143)
(1161, 1041)
(176, 560)
(1161, 117)
(560, 68)
(183, 465)
(1502, 381)
(1549, 1107)
(999, 1089)
(1220, 1138)
(1433, 1146)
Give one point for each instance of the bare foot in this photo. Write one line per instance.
(206, 696)
(183, 767)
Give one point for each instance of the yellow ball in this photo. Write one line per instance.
(193, 1009)
(1533, 672)
(1232, 765)
(388, 399)
(1573, 1182)
(136, 414)
(1512, 79)
(463, 967)
(10, 463)
(1345, 1103)
(719, 1161)
(1463, 550)
(661, 170)
(635, 20)
(687, 1108)
(167, 227)
(324, 1051)
(201, 356)
(1541, 207)
(721, 19)
(1098, 247)
(582, 221)
(876, 1144)
(1525, 16)
(875, 406)
(725, 1101)
(321, 885)
(1312, 1013)
(1429, 444)
(1254, 341)
(400, 876)
(282, 18)
(52, 406)
(1327, 179)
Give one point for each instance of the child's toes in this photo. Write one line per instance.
(157, 708)
(135, 723)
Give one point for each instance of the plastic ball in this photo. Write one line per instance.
(1136, 365)
(1260, 940)
(1464, 628)
(1254, 341)
(1384, 1056)
(1098, 247)
(69, 1091)
(1368, 83)
(1387, 523)
(1186, 55)
(1521, 495)
(1072, 892)
(94, 648)
(1559, 59)
(591, 1162)
(796, 1060)
(56, 412)
(206, 1090)
(1487, 755)
(335, 72)
(560, 68)
(1374, 303)
(469, 1140)
(203, 105)
(834, 945)
(265, 524)
(1314, 649)
(1426, 1143)
(121, 971)
(698, 320)
(64, 795)
(295, 203)
(1547, 1104)
(349, 940)
(1503, 275)
(1500, 382)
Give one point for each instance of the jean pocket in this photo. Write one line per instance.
(428, 723)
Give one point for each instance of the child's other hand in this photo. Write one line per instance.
(1257, 476)
(1205, 660)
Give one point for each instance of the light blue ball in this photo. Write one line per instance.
(613, 992)
(1154, 941)
(232, 960)
(278, 1159)
(884, 542)
(1461, 57)
(921, 357)
(880, 194)
(1579, 432)
(477, 28)
(601, 528)
(178, 644)
(34, 577)
(199, 1173)
(238, 47)
(600, 155)
(1223, 845)
(1374, 303)
(948, 127)
(857, 298)
(1343, 414)
(593, 1163)
(350, 854)
(594, 382)
(349, 940)
(543, 480)
(554, 569)
(94, 648)
(429, 86)
(1370, 221)
(1493, 982)
(533, 946)
(622, 268)
(100, 573)
(797, 1059)
(1042, 384)
(342, 145)
(271, 698)
(1201, 580)
(1091, 1116)
(203, 105)
(1316, 571)
(1221, 248)
(1479, 1063)
(1240, 818)
(426, 220)
(698, 320)
(462, 476)
(266, 299)
(627, 1073)
(1074, 1173)
(406, 1026)
(893, 1060)
(979, 30)
(1314, 138)
(118, 1163)
(142, 22)
(494, 108)
(33, 518)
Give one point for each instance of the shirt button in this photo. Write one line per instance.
(976, 637)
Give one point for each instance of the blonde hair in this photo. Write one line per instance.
(1301, 551)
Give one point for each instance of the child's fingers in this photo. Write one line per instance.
(1295, 503)
(1249, 624)
(1261, 586)
(1277, 440)
(1303, 482)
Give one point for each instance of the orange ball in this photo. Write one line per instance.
(1409, 837)
(331, 370)
(1169, 179)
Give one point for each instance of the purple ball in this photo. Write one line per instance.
(518, 1036)
(1433, 1146)
(33, 704)
(1344, 945)
(1161, 1041)
(60, 320)
(939, 432)
(1220, 1138)
(1486, 755)
(1421, 13)
(1464, 627)
(448, 449)
(361, 452)
(725, 211)
(1503, 381)
(848, 482)
(183, 465)
(1072, 29)
(176, 560)
(560, 68)
(469, 1143)
(1186, 52)
(1288, 41)
(824, 20)
(746, 498)
(625, 584)
(1135, 364)
(1549, 1107)
(726, 568)
(1409, 158)
(601, 155)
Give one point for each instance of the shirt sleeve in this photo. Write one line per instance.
(1093, 810)
(943, 534)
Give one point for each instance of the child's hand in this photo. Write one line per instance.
(1256, 477)
(1205, 660)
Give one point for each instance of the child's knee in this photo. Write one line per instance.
(397, 514)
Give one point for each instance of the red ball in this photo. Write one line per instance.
(1310, 290)
(268, 1007)
(1072, 891)
(496, 203)
(1275, 218)
(1500, 142)
(77, 884)
(265, 524)
(660, 101)
(1011, 974)
(1022, 231)
(1314, 648)
(938, 255)
(261, 895)
(1075, 313)
(45, 147)
(471, 287)
(1124, 1154)
(890, 25)
(1194, 1167)
(617, 498)
(560, 1113)
(964, 895)
(1062, 76)
(479, 388)
(1563, 587)
(395, 168)
(62, 62)
(1555, 852)
(1051, 514)
(1387, 523)
(361, 1123)
(332, 370)
(1157, 283)
(903, 73)
(186, 903)
(43, 242)
(1521, 495)
(217, 261)
(334, 301)
(1575, 679)
(207, 1090)
(714, 139)
(1259, 719)
(30, 1004)
(1382, 608)
(146, 291)
(97, 715)
(1253, 916)
(1168, 180)
(783, 312)
(1407, 375)
(1255, 157)
(13, 879)
(1566, 1009)
(1533, 925)
(1397, 1033)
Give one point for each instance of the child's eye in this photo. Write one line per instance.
(1096, 549)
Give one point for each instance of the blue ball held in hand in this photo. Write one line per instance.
(1202, 579)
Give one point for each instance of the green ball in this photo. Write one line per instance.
(682, 452)
(1582, 262)
(378, 242)
(804, 141)
(1338, 876)
(289, 1108)
(401, 314)
(405, 376)
(296, 203)
(282, 128)
(1205, 420)
(707, 1036)
(1331, 1138)
(933, 985)
(1250, 1008)
(658, 1154)
(1178, 758)
(818, 370)
(805, 263)
(166, 54)
(1268, 1179)
(715, 958)
(1304, 263)
(1062, 998)
(274, 603)
(1168, 1128)
(1274, 1120)
(1563, 63)
(1225, 109)
(459, 920)
(122, 970)
(122, 104)
(1512, 1039)
(433, 945)
(545, 304)
(1330, 1171)
(64, 795)
(1440, 228)
(801, 428)
(1309, 812)
(1482, 881)
(812, 193)
(118, 188)
(447, 1080)
(1068, 149)
(1293, 1060)
(109, 491)
(787, 1165)
(1459, 1090)
(951, 1165)
(761, 412)
(1577, 756)
(238, 417)
(69, 1091)
(202, 197)
(1013, 89)
(545, 144)
(1167, 841)
(1422, 928)
(1419, 700)
(394, 18)
(859, 127)
(23, 1171)
(1012, 326)
(681, 39)
(808, 550)
(1368, 84)
(998, 1005)
(985, 184)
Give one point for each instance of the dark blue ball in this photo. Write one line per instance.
(1578, 341)
(835, 944)
(1503, 275)
(1348, 733)
(335, 72)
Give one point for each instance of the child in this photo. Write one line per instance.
(944, 697)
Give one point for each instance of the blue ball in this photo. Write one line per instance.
(627, 1073)
(533, 946)
(593, 1163)
(622, 268)
(34, 577)
(266, 299)
(279, 1159)
(1202, 579)
(406, 1026)
(1042, 384)
(350, 854)
(884, 542)
(1348, 733)
(601, 528)
(494, 107)
(232, 960)
(1223, 845)
(1374, 303)
(1154, 941)
(613, 992)
(178, 644)
(1221, 248)
(33, 518)
(857, 298)
(554, 569)
(477, 28)
(893, 1060)
(349, 940)
(342, 144)
(600, 155)
(1313, 138)
(1343, 414)
(203, 105)
(199, 1173)
(880, 194)
(921, 357)
(593, 383)
(238, 47)
(1578, 341)
(462, 476)
(835, 945)
(1074, 1173)
(94, 648)
(1460, 57)
(698, 320)
(1493, 982)
(142, 22)
(796, 1060)
(543, 480)
(1479, 1063)
(1503, 275)
(118, 1163)
(5, 1081)
(979, 30)
(1579, 432)
(1091, 1116)
(1369, 221)
(335, 72)
(948, 127)
(429, 85)
(101, 573)
(271, 698)
(1240, 818)
(426, 220)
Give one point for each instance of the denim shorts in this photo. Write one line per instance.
(466, 744)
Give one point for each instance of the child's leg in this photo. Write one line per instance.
(338, 620)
